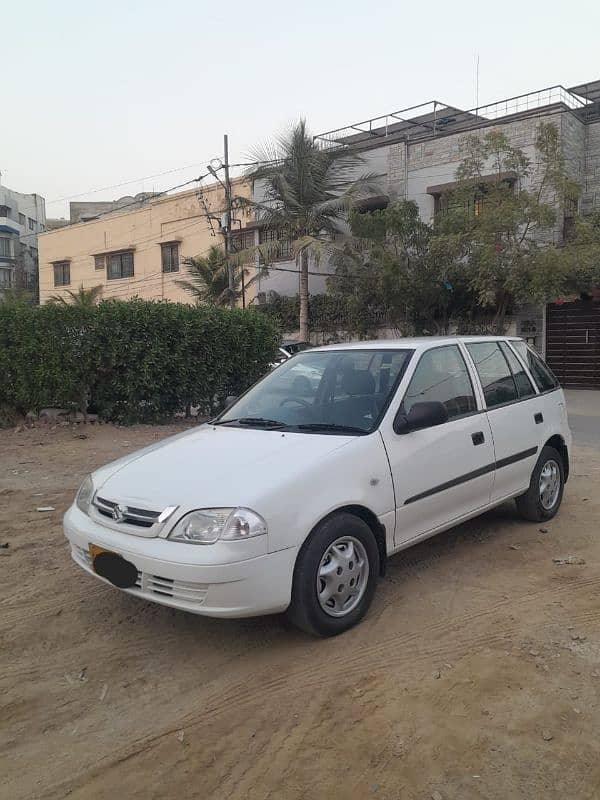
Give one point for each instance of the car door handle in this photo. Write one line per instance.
(478, 437)
(539, 417)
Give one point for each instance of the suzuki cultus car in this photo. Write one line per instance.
(297, 494)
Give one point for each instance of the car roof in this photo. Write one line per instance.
(415, 342)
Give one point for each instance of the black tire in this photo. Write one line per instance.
(529, 505)
(305, 610)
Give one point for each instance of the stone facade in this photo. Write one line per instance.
(590, 200)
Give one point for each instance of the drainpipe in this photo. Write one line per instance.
(406, 167)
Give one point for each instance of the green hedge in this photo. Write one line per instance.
(135, 361)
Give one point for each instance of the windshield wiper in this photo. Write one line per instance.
(329, 426)
(258, 422)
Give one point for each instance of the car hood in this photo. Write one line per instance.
(213, 466)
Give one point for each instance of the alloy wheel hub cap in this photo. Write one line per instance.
(549, 484)
(342, 576)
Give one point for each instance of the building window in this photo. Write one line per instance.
(375, 203)
(99, 262)
(570, 212)
(242, 240)
(283, 251)
(31, 223)
(4, 211)
(169, 252)
(120, 265)
(62, 273)
(451, 201)
(6, 250)
(22, 219)
(5, 278)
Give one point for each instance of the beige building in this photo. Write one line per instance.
(140, 252)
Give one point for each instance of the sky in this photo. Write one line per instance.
(103, 93)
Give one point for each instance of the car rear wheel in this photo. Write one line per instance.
(335, 576)
(544, 496)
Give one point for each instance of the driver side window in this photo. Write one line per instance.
(441, 375)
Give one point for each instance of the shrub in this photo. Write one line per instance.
(135, 361)
(327, 313)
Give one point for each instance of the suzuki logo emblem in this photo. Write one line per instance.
(118, 513)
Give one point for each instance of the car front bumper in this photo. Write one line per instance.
(177, 575)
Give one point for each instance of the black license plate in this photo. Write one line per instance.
(114, 568)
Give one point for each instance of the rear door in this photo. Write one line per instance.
(515, 414)
(445, 472)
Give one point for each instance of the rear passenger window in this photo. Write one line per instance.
(541, 374)
(496, 378)
(441, 375)
(524, 385)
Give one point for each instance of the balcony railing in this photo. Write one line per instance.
(434, 118)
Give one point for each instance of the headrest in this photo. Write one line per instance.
(356, 381)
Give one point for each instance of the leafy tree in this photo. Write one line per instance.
(394, 262)
(308, 192)
(501, 221)
(209, 279)
(83, 298)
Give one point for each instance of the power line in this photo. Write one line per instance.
(123, 183)
(145, 178)
(138, 203)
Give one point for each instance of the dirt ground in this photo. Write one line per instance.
(475, 675)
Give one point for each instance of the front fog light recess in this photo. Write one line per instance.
(208, 525)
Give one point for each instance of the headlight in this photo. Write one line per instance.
(85, 494)
(208, 525)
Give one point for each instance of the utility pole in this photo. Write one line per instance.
(228, 237)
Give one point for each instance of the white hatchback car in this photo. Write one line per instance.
(294, 497)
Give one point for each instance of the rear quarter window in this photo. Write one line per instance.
(542, 375)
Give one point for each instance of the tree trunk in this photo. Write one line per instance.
(303, 291)
(500, 316)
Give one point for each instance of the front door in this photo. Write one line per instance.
(445, 472)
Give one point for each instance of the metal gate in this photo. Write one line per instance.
(573, 343)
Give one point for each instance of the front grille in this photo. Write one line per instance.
(129, 515)
(149, 586)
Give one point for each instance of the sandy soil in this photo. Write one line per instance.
(476, 648)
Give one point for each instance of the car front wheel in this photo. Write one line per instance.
(335, 576)
(544, 496)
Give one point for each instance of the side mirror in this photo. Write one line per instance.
(230, 400)
(421, 415)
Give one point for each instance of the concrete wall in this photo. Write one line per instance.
(179, 217)
(21, 268)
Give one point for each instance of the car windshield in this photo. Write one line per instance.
(332, 391)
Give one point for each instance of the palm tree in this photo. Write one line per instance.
(83, 298)
(209, 279)
(308, 191)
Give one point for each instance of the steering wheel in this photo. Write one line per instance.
(298, 400)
